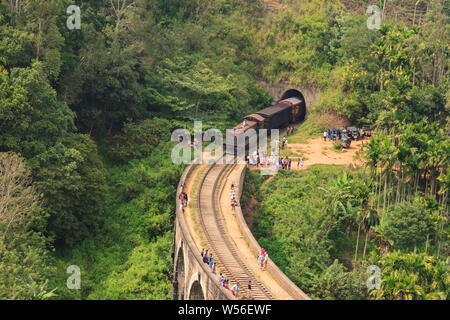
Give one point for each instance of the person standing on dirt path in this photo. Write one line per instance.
(302, 163)
(325, 136)
(289, 164)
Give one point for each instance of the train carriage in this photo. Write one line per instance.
(289, 110)
(276, 116)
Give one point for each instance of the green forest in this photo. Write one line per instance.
(86, 117)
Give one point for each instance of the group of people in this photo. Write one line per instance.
(263, 258)
(184, 200)
(234, 202)
(271, 161)
(209, 260)
(224, 282)
(332, 137)
(285, 163)
(260, 158)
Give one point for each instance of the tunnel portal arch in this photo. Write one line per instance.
(292, 93)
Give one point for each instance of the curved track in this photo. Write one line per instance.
(219, 243)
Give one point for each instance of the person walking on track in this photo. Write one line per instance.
(266, 259)
(235, 290)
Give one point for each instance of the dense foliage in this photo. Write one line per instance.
(305, 234)
(91, 111)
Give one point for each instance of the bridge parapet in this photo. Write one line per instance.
(192, 278)
(279, 275)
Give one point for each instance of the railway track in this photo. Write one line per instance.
(217, 238)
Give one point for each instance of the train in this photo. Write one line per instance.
(280, 115)
(277, 116)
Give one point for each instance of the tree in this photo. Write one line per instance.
(408, 224)
(199, 81)
(69, 176)
(370, 220)
(32, 117)
(19, 202)
(409, 276)
(338, 284)
(39, 19)
(24, 258)
(138, 140)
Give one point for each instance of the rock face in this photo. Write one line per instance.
(280, 91)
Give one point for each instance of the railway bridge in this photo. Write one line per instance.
(208, 223)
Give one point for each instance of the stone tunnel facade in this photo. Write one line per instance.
(283, 90)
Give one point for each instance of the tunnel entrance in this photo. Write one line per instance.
(180, 275)
(294, 93)
(196, 292)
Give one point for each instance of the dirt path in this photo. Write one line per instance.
(248, 256)
(317, 151)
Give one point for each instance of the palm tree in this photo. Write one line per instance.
(359, 220)
(370, 220)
